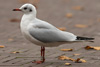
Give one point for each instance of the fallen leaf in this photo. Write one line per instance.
(67, 64)
(14, 52)
(62, 57)
(81, 26)
(88, 47)
(76, 54)
(71, 59)
(92, 47)
(2, 46)
(15, 20)
(62, 28)
(10, 39)
(78, 8)
(69, 15)
(65, 58)
(66, 49)
(80, 60)
(96, 48)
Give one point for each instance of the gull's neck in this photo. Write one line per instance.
(30, 16)
(26, 20)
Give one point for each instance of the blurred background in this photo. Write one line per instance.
(81, 17)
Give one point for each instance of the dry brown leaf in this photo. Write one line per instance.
(14, 52)
(2, 46)
(15, 20)
(78, 8)
(66, 49)
(62, 28)
(62, 57)
(69, 15)
(65, 58)
(71, 59)
(81, 26)
(76, 54)
(88, 47)
(80, 60)
(92, 47)
(67, 64)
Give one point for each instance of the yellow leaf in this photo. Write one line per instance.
(78, 8)
(67, 64)
(2, 46)
(10, 39)
(66, 49)
(96, 48)
(14, 52)
(71, 59)
(62, 28)
(76, 54)
(65, 58)
(62, 57)
(80, 60)
(81, 26)
(83, 60)
(92, 47)
(69, 15)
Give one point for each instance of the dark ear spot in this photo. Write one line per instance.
(30, 10)
(25, 8)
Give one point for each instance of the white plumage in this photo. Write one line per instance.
(42, 33)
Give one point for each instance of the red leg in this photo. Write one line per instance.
(42, 56)
(41, 50)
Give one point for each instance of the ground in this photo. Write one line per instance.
(53, 11)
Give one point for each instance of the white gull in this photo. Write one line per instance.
(43, 33)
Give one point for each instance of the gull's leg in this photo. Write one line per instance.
(42, 56)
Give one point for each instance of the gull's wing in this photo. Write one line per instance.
(50, 35)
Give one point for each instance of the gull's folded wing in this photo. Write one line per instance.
(49, 35)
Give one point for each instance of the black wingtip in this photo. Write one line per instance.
(84, 38)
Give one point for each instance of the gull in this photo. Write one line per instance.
(43, 33)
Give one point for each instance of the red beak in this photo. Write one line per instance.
(16, 9)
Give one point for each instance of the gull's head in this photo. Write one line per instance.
(26, 9)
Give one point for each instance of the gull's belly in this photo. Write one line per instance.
(32, 39)
(37, 42)
(27, 35)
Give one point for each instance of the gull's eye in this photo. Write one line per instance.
(25, 8)
(30, 10)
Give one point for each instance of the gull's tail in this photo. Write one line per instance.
(85, 39)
